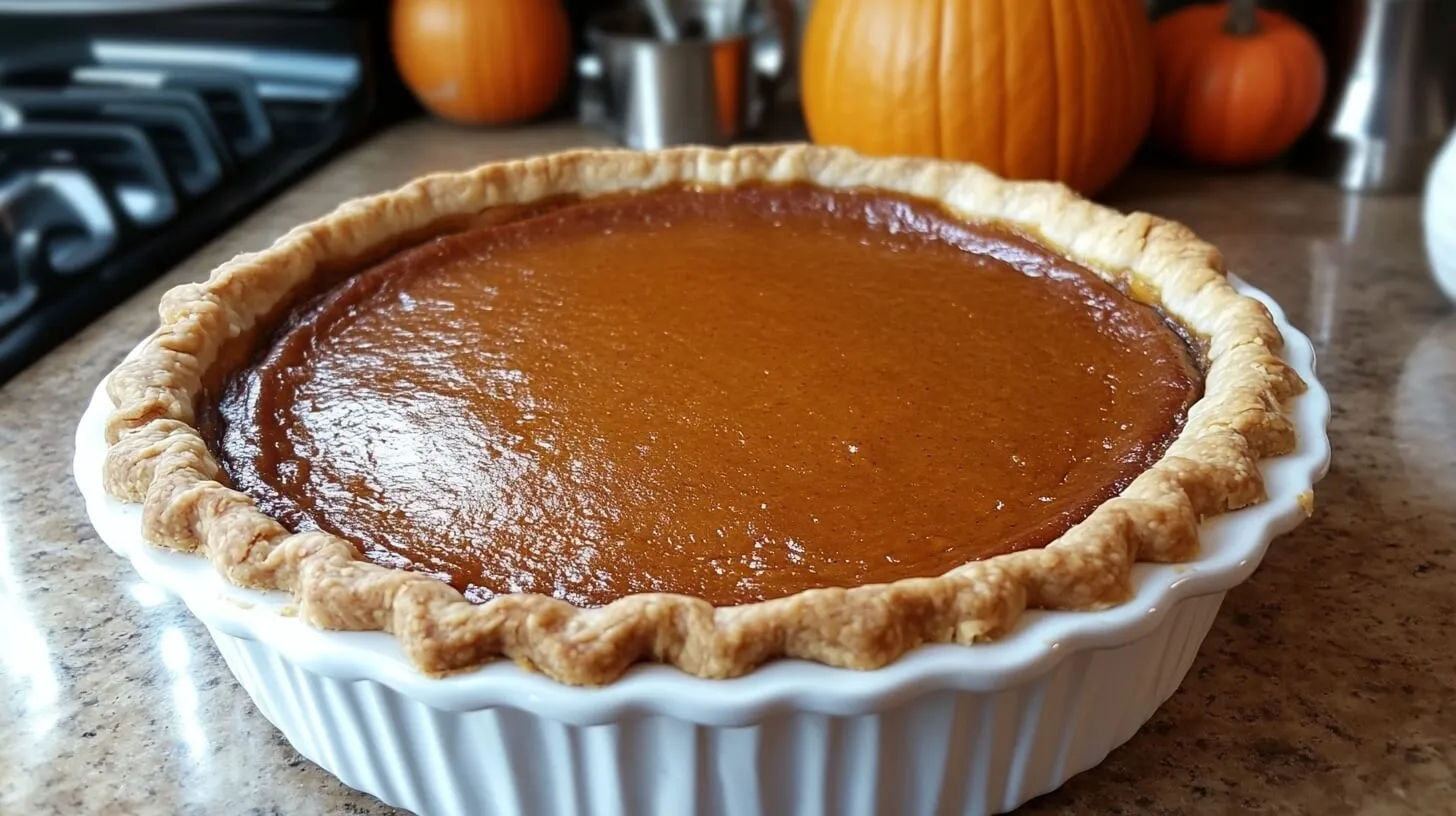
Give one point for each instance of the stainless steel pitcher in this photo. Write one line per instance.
(716, 82)
(1388, 107)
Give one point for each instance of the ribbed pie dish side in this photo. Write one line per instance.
(158, 458)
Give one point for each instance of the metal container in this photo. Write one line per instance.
(1388, 108)
(715, 83)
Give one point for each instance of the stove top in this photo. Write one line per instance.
(128, 140)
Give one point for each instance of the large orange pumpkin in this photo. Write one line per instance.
(1236, 86)
(1042, 89)
(482, 61)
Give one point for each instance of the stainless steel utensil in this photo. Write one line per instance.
(711, 85)
(1388, 107)
(664, 19)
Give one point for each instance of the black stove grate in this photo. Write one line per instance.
(128, 142)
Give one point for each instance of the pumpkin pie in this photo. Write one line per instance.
(708, 408)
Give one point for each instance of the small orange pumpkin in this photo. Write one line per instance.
(1040, 89)
(482, 61)
(1237, 85)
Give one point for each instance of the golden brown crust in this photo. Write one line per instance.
(158, 458)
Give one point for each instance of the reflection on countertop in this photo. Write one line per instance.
(1325, 686)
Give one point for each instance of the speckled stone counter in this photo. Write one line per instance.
(1328, 684)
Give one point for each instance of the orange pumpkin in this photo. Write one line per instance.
(1039, 89)
(1237, 85)
(482, 61)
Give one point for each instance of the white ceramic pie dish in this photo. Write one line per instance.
(946, 729)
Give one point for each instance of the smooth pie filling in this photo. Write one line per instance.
(732, 394)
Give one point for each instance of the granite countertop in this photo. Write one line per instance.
(1328, 684)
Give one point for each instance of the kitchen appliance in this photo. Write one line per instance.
(128, 139)
(705, 74)
(1389, 104)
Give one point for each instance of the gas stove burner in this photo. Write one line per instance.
(127, 141)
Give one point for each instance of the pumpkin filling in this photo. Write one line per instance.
(733, 394)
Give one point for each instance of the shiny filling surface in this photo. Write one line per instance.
(733, 394)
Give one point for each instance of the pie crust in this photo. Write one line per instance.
(157, 457)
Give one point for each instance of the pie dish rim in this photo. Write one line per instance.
(157, 457)
(1041, 641)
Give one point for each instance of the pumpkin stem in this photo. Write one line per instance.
(1243, 18)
